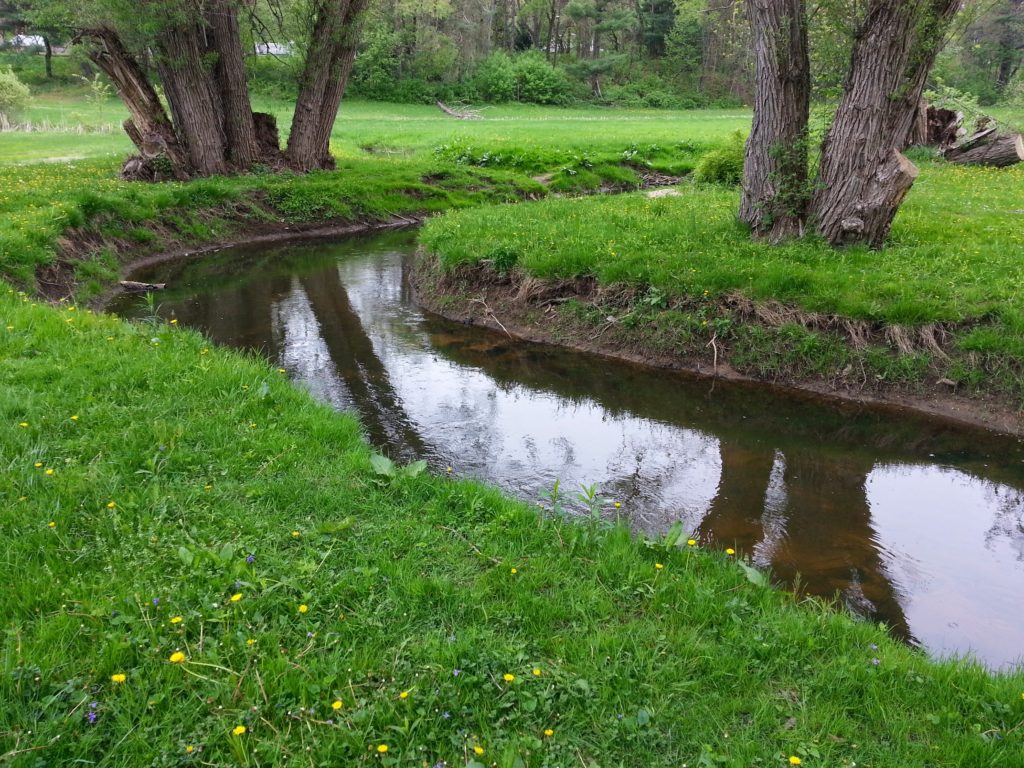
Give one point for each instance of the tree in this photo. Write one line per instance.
(863, 176)
(195, 47)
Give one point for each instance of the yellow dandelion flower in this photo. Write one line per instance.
(111, 504)
(280, 370)
(508, 678)
(177, 657)
(50, 472)
(303, 608)
(403, 695)
(536, 671)
(250, 642)
(189, 749)
(38, 464)
(658, 566)
(449, 470)
(23, 424)
(478, 749)
(515, 571)
(691, 542)
(382, 748)
(548, 732)
(119, 677)
(238, 730)
(174, 321)
(75, 417)
(176, 620)
(618, 505)
(336, 705)
(236, 597)
(794, 760)
(51, 524)
(296, 534)
(730, 551)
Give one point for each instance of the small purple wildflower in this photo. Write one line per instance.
(619, 716)
(93, 705)
(446, 715)
(456, 672)
(873, 647)
(251, 558)
(875, 662)
(91, 717)
(156, 601)
(309, 634)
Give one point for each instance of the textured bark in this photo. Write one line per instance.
(775, 161)
(48, 52)
(996, 151)
(151, 129)
(893, 53)
(198, 118)
(328, 65)
(229, 74)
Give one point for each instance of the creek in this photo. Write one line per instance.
(910, 521)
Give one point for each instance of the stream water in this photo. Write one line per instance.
(913, 522)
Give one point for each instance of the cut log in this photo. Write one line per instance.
(135, 287)
(969, 143)
(997, 151)
(461, 115)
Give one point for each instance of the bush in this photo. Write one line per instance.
(537, 82)
(14, 95)
(495, 78)
(723, 165)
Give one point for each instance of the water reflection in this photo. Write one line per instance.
(912, 522)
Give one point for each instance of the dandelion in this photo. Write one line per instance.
(177, 657)
(280, 370)
(238, 730)
(548, 732)
(382, 748)
(536, 671)
(515, 571)
(691, 542)
(449, 470)
(336, 705)
(295, 534)
(176, 620)
(403, 695)
(658, 566)
(618, 505)
(236, 597)
(50, 472)
(250, 642)
(794, 760)
(111, 504)
(118, 677)
(38, 464)
(508, 678)
(174, 321)
(23, 424)
(730, 551)
(75, 417)
(302, 608)
(51, 524)
(189, 749)
(478, 749)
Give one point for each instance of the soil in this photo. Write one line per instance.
(532, 310)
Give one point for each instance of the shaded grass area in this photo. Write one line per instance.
(953, 260)
(149, 477)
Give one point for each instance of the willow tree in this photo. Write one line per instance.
(195, 50)
(863, 177)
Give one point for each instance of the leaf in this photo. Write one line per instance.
(227, 553)
(382, 465)
(754, 576)
(415, 469)
(334, 527)
(673, 535)
(185, 555)
(643, 717)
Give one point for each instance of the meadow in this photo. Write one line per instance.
(203, 566)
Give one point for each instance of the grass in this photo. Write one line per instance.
(148, 476)
(953, 257)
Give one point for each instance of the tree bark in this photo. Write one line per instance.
(48, 53)
(328, 65)
(775, 162)
(152, 130)
(995, 151)
(229, 74)
(198, 118)
(863, 178)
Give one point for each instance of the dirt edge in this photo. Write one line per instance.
(530, 310)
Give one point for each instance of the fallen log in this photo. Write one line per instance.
(992, 149)
(131, 286)
(461, 115)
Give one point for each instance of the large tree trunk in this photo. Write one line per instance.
(329, 60)
(229, 73)
(863, 179)
(198, 117)
(775, 164)
(150, 128)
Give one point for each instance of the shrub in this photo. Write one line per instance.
(723, 165)
(14, 95)
(495, 78)
(537, 82)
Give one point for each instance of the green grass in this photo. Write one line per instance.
(142, 468)
(954, 255)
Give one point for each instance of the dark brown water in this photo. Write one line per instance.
(911, 521)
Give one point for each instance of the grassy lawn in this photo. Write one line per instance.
(148, 477)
